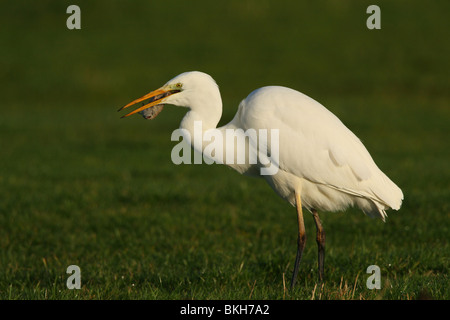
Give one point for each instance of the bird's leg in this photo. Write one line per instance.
(301, 240)
(320, 238)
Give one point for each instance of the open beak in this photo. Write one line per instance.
(154, 98)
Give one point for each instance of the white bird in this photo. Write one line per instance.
(322, 165)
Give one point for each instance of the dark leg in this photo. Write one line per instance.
(320, 238)
(301, 240)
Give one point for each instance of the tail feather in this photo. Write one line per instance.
(375, 203)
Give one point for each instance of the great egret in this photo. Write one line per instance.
(322, 165)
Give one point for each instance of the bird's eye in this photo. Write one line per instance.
(179, 85)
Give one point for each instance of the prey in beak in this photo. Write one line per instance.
(152, 103)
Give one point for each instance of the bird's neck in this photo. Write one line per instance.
(216, 144)
(205, 111)
(196, 124)
(193, 118)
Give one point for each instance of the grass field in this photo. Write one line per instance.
(79, 185)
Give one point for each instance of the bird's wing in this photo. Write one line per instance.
(315, 145)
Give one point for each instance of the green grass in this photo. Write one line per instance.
(80, 186)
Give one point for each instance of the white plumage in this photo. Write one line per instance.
(322, 165)
(318, 154)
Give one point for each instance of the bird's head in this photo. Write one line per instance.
(190, 89)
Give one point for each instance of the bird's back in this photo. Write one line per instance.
(317, 148)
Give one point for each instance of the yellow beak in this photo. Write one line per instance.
(154, 97)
